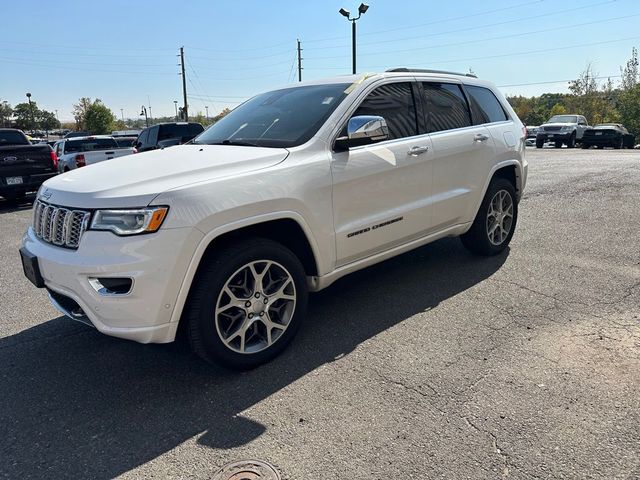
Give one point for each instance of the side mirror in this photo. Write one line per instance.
(363, 130)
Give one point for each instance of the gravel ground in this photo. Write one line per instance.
(435, 364)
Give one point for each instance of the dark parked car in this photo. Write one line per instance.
(608, 135)
(167, 135)
(23, 166)
(124, 142)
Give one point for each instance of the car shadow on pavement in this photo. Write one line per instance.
(77, 404)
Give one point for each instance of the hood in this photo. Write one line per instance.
(134, 180)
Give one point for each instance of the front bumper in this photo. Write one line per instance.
(156, 263)
(554, 136)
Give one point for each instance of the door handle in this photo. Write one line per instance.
(415, 151)
(481, 137)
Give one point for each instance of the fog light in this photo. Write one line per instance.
(111, 286)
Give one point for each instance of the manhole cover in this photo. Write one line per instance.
(247, 470)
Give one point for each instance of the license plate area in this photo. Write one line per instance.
(14, 180)
(31, 268)
(598, 133)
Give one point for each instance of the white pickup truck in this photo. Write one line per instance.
(81, 151)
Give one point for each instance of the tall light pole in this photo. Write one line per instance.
(175, 104)
(207, 110)
(345, 13)
(144, 112)
(33, 118)
(122, 114)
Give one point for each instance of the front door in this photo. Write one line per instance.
(381, 192)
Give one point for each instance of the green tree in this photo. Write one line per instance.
(557, 109)
(5, 113)
(630, 73)
(25, 115)
(98, 118)
(80, 112)
(47, 120)
(630, 110)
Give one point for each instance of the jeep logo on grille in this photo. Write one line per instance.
(46, 194)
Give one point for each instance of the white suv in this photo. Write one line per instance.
(289, 192)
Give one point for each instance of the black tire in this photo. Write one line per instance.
(539, 143)
(585, 146)
(572, 141)
(619, 144)
(476, 240)
(217, 269)
(558, 144)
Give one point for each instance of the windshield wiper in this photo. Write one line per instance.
(239, 143)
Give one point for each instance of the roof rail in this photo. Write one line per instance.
(422, 70)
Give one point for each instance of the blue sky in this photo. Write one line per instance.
(125, 51)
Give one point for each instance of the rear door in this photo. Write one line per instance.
(381, 191)
(462, 152)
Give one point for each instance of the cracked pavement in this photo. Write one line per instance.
(436, 364)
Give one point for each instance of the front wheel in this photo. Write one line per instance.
(558, 144)
(572, 141)
(539, 143)
(247, 303)
(495, 221)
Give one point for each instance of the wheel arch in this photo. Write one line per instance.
(287, 228)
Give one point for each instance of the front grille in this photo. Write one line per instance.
(552, 129)
(58, 225)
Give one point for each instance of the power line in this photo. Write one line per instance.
(601, 77)
(505, 55)
(435, 22)
(478, 27)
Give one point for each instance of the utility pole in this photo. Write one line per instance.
(185, 108)
(175, 104)
(299, 62)
(150, 114)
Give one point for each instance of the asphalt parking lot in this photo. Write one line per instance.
(435, 364)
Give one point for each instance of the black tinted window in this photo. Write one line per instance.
(446, 107)
(282, 118)
(486, 107)
(395, 103)
(88, 145)
(12, 137)
(143, 137)
(173, 131)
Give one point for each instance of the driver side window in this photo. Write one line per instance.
(395, 103)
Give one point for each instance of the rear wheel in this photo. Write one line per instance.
(247, 304)
(585, 145)
(619, 144)
(495, 221)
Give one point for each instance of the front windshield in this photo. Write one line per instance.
(282, 118)
(563, 119)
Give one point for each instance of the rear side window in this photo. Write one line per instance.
(485, 106)
(89, 145)
(13, 137)
(195, 128)
(143, 137)
(168, 132)
(396, 104)
(446, 107)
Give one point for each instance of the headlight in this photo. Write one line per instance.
(129, 222)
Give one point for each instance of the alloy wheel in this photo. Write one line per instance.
(255, 306)
(499, 217)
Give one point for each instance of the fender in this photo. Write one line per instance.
(520, 178)
(185, 287)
